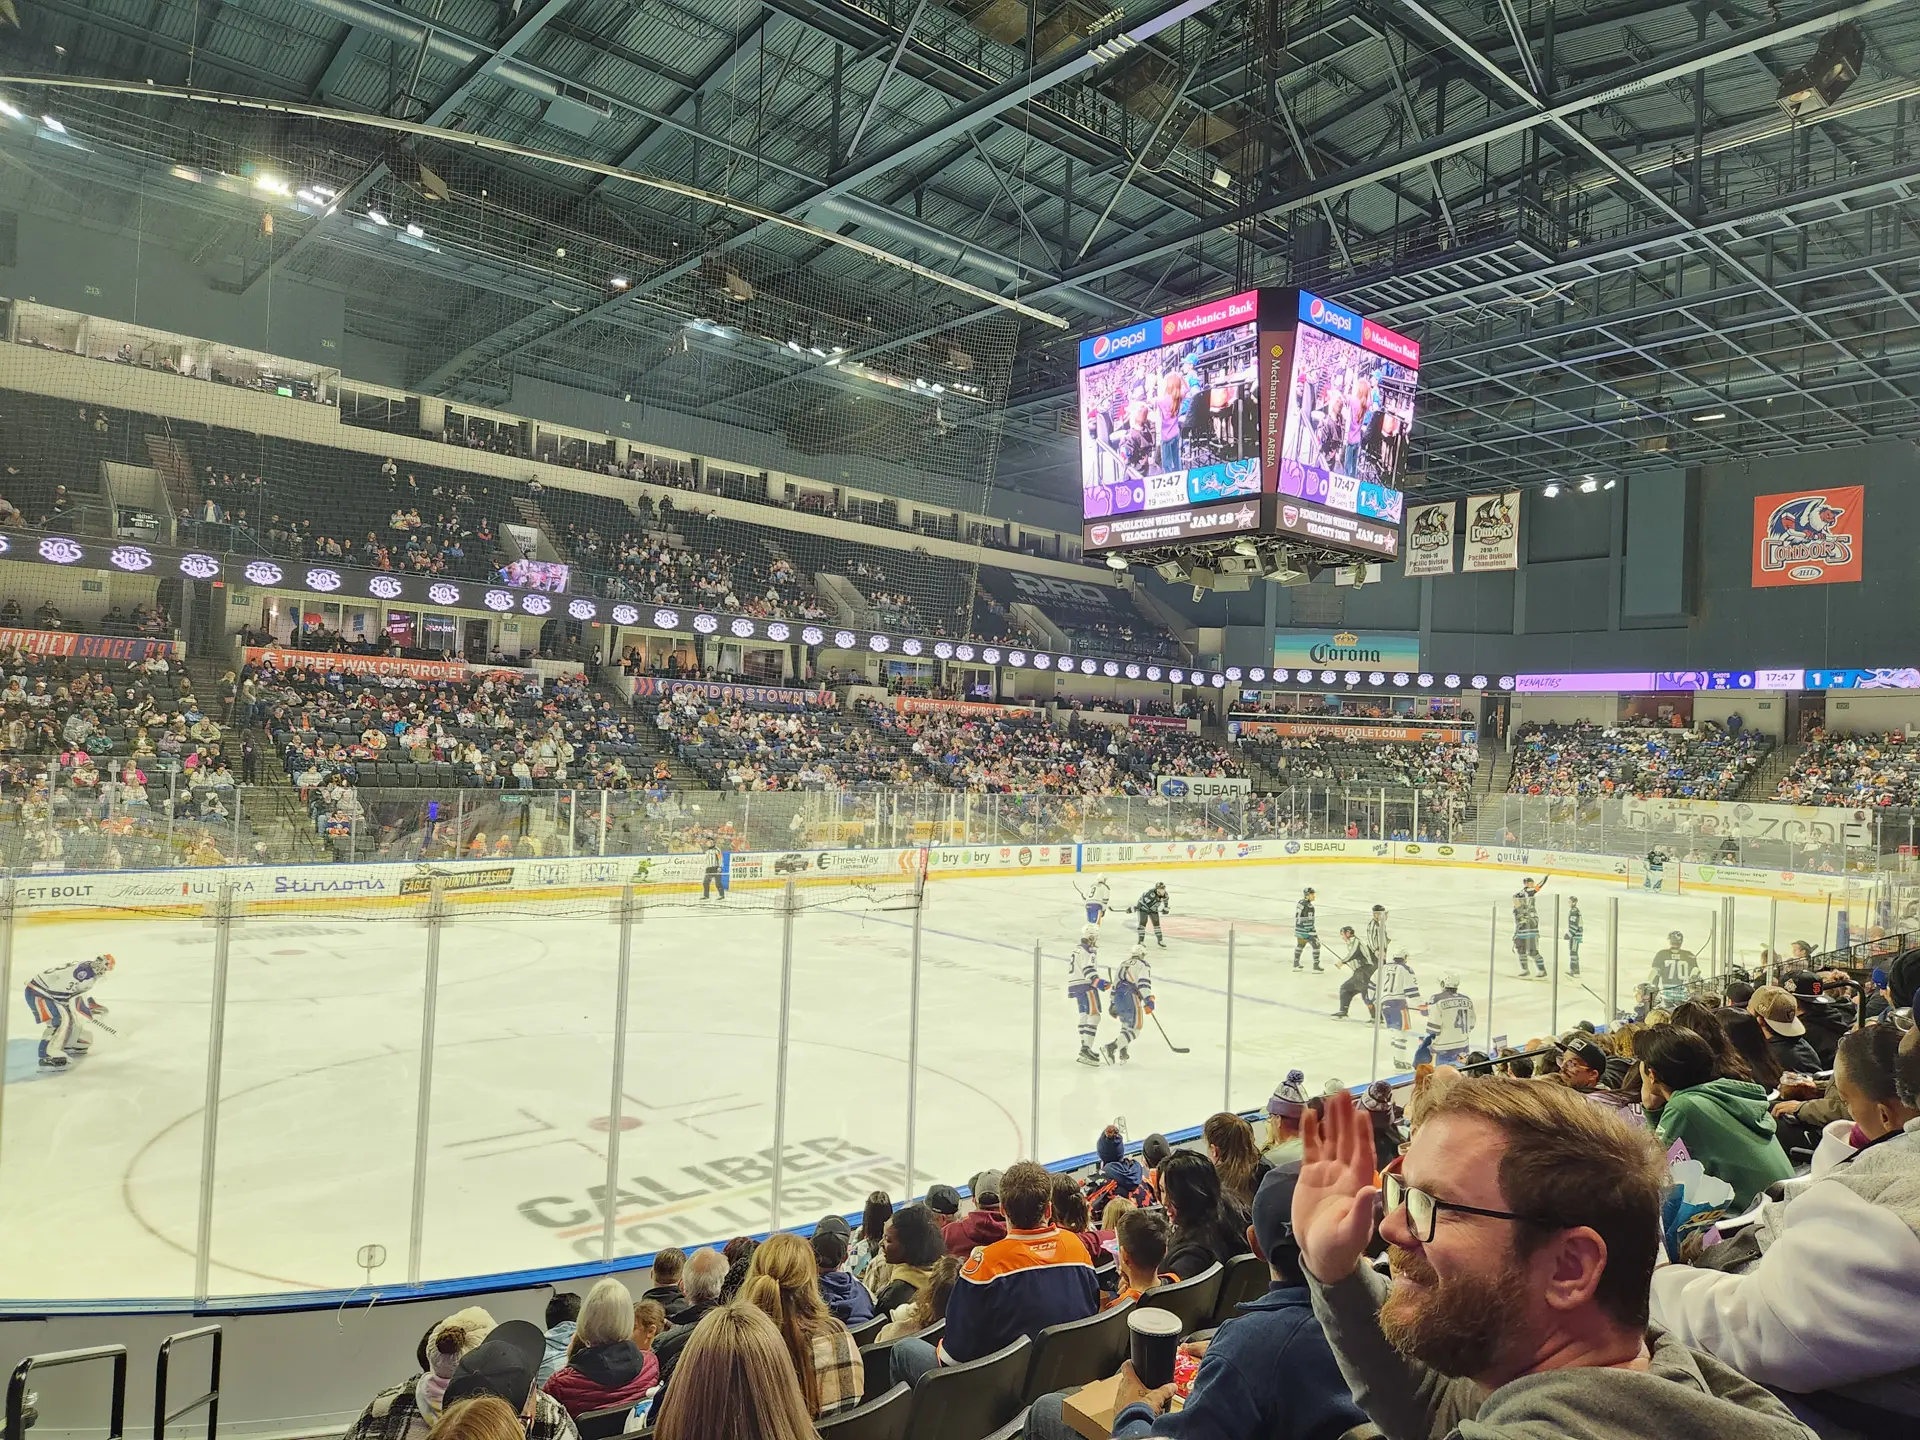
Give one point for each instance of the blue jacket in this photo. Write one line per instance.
(846, 1297)
(1269, 1373)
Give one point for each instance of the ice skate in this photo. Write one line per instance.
(1088, 1056)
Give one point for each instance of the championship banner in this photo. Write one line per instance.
(926, 705)
(394, 666)
(66, 644)
(1334, 730)
(1200, 787)
(1808, 537)
(1429, 542)
(1493, 532)
(654, 686)
(1156, 722)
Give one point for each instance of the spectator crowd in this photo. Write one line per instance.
(1584, 759)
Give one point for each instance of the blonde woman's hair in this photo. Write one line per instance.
(606, 1315)
(650, 1316)
(784, 1284)
(734, 1382)
(1116, 1207)
(485, 1417)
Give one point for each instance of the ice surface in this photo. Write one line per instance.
(100, 1165)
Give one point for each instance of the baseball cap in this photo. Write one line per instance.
(943, 1200)
(1806, 986)
(1776, 1006)
(503, 1364)
(986, 1188)
(1589, 1054)
(1273, 1210)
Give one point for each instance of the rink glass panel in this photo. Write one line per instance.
(319, 1097)
(117, 1135)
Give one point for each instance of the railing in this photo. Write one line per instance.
(209, 1399)
(16, 1421)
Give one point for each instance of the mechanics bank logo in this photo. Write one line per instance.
(1808, 538)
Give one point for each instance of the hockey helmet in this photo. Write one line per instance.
(1450, 981)
(1090, 935)
(1674, 937)
(1139, 951)
(1307, 891)
(105, 962)
(1161, 888)
(1399, 951)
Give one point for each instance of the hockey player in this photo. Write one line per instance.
(1084, 984)
(58, 998)
(1148, 909)
(1394, 991)
(1096, 899)
(1576, 930)
(1526, 929)
(1306, 929)
(1450, 1021)
(1656, 877)
(1363, 968)
(1132, 1002)
(1675, 969)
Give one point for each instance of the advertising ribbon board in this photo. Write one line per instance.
(655, 686)
(1156, 722)
(66, 644)
(1344, 649)
(926, 705)
(1336, 730)
(395, 666)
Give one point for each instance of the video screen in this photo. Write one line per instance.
(1348, 418)
(548, 575)
(1173, 426)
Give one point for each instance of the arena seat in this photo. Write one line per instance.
(967, 1402)
(1078, 1352)
(1193, 1300)
(882, 1418)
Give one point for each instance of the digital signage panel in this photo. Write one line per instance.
(1170, 424)
(1349, 411)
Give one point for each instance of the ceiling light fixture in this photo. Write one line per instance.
(53, 125)
(1553, 489)
(377, 218)
(1588, 485)
(1710, 415)
(1116, 562)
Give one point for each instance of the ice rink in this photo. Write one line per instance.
(100, 1165)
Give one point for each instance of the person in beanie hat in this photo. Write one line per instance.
(1120, 1177)
(1268, 1370)
(1284, 1108)
(408, 1410)
(504, 1365)
(1388, 1137)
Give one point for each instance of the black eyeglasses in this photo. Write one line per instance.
(1423, 1211)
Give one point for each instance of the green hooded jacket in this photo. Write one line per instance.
(1726, 1127)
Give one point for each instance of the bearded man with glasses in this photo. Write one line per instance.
(1522, 1225)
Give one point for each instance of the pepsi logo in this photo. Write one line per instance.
(1101, 346)
(1318, 309)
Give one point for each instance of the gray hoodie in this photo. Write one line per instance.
(1681, 1394)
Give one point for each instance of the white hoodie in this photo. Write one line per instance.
(1830, 1302)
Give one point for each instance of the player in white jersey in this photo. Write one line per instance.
(1450, 1022)
(1096, 899)
(1132, 1002)
(1084, 984)
(58, 998)
(1395, 990)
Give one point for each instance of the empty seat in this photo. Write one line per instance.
(1078, 1352)
(1192, 1300)
(967, 1402)
(884, 1418)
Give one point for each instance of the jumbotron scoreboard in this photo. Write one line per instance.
(1257, 435)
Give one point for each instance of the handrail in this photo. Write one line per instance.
(16, 1428)
(211, 1399)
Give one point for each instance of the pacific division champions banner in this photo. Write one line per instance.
(1429, 540)
(1493, 532)
(1808, 537)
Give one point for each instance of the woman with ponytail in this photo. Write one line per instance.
(784, 1283)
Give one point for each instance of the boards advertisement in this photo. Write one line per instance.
(1352, 730)
(394, 666)
(1200, 787)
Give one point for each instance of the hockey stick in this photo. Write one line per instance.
(1177, 1049)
